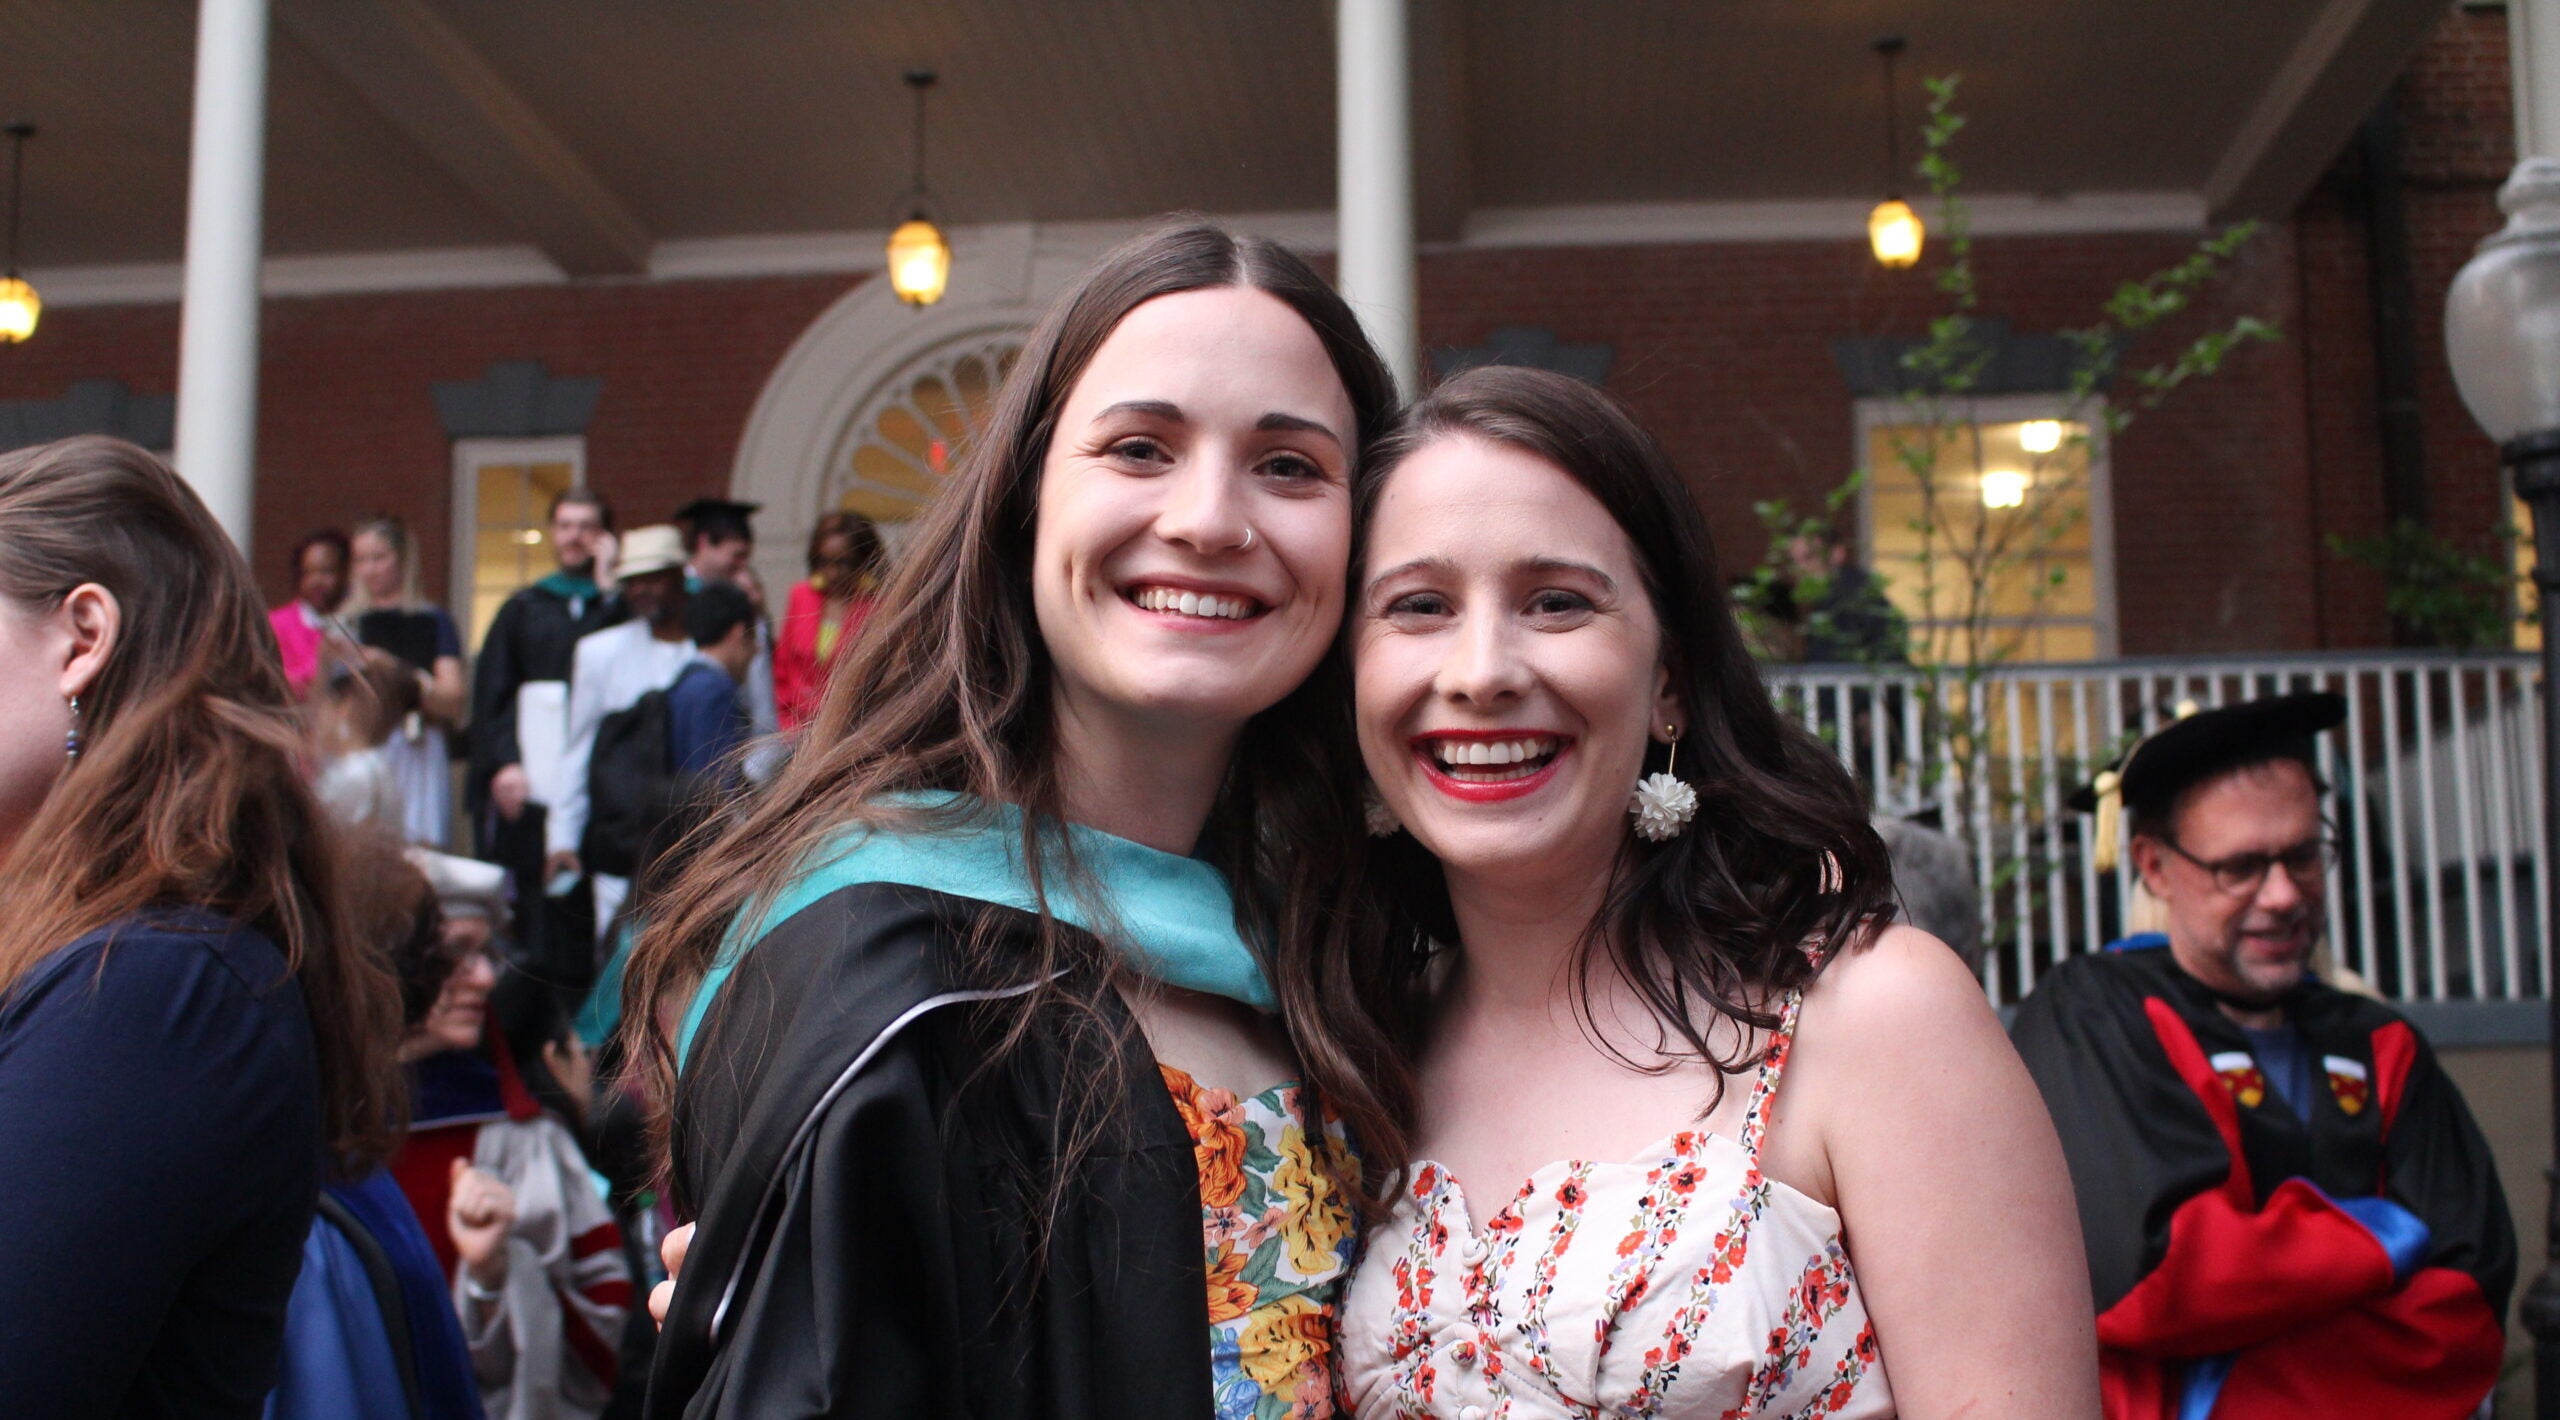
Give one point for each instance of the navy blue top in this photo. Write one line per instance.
(160, 1149)
(2286, 1063)
(705, 722)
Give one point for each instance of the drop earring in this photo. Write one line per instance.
(71, 741)
(1380, 820)
(1662, 804)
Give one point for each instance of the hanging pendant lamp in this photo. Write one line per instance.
(919, 256)
(1893, 229)
(19, 304)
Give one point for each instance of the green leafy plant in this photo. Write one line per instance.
(1977, 580)
(2438, 594)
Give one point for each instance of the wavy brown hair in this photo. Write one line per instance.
(1709, 924)
(947, 686)
(188, 790)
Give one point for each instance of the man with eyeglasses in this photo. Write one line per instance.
(2287, 1207)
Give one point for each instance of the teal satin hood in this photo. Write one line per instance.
(1171, 918)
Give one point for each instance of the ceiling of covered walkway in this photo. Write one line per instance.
(604, 137)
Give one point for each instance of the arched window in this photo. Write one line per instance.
(912, 428)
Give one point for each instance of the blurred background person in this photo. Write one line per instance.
(707, 715)
(824, 612)
(1846, 616)
(531, 1252)
(371, 1332)
(520, 719)
(390, 616)
(304, 625)
(611, 671)
(360, 718)
(1933, 880)
(192, 1034)
(720, 546)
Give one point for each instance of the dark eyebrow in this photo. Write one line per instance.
(1561, 564)
(1155, 408)
(1419, 564)
(1294, 423)
(1526, 564)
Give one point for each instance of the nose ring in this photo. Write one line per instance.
(1247, 544)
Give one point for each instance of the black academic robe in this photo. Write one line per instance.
(876, 1235)
(533, 637)
(2356, 1263)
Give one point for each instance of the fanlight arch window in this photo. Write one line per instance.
(911, 431)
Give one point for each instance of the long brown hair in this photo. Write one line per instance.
(1711, 923)
(947, 687)
(188, 788)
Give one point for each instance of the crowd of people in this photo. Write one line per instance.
(1275, 903)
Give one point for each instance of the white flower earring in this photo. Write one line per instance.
(1380, 820)
(1662, 804)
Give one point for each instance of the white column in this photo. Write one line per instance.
(2533, 58)
(218, 324)
(1373, 75)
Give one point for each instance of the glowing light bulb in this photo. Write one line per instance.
(919, 262)
(19, 307)
(1894, 231)
(2040, 436)
(2005, 488)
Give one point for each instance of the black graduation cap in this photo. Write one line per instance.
(718, 517)
(2197, 746)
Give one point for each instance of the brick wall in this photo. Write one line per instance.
(2222, 498)
(1724, 352)
(347, 422)
(2457, 146)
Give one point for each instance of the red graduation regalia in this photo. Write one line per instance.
(2250, 1263)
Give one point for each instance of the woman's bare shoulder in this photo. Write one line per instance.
(1900, 974)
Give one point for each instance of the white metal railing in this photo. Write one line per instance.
(2437, 797)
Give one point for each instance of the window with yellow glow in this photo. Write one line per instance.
(1996, 534)
(502, 495)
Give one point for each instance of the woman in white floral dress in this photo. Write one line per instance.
(1538, 623)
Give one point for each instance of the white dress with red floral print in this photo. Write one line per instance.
(1683, 1284)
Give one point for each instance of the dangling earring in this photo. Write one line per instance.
(1663, 804)
(1380, 820)
(71, 741)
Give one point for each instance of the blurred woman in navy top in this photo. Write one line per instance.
(191, 1038)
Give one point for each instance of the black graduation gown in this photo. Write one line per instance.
(868, 1225)
(2231, 1243)
(533, 637)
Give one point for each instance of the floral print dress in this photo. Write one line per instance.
(1278, 1236)
(1682, 1284)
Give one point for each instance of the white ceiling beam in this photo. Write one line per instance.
(2344, 63)
(430, 83)
(1312, 231)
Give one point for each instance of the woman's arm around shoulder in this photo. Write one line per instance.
(1954, 1200)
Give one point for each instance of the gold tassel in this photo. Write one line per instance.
(2110, 786)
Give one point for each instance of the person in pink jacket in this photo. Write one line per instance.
(305, 624)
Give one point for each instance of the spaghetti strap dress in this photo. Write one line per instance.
(1684, 1283)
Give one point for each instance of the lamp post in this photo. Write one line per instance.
(2502, 333)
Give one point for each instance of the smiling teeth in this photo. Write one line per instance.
(1193, 603)
(1493, 752)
